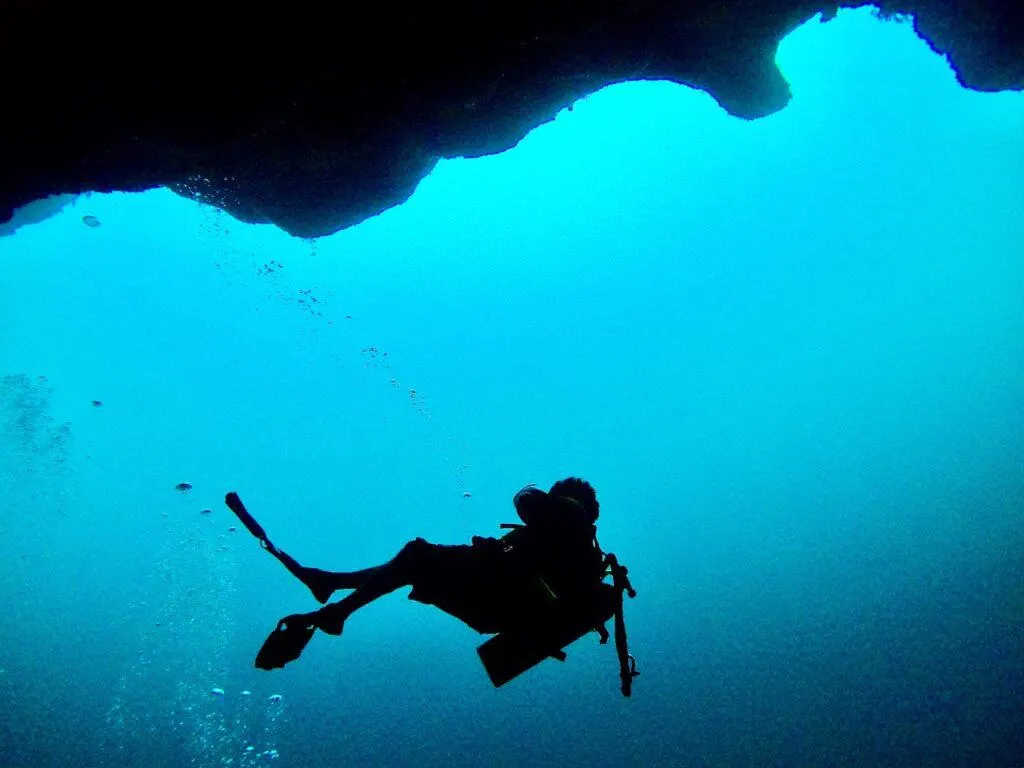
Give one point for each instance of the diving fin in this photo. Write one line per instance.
(285, 643)
(235, 505)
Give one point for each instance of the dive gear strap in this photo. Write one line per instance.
(627, 663)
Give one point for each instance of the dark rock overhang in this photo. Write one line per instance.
(317, 116)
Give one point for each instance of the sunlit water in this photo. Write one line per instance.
(789, 353)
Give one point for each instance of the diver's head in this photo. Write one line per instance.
(580, 491)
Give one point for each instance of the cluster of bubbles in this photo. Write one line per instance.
(29, 435)
(239, 266)
(37, 485)
(252, 755)
(172, 687)
(34, 451)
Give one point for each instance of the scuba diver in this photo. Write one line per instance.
(537, 589)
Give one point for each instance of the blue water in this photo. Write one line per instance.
(788, 353)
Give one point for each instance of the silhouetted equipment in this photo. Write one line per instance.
(235, 505)
(284, 644)
(510, 653)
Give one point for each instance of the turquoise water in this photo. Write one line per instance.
(788, 353)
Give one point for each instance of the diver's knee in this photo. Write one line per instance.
(412, 554)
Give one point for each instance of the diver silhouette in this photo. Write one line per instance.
(537, 589)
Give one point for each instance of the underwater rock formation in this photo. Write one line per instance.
(35, 211)
(315, 118)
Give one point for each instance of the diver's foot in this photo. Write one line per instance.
(318, 582)
(330, 619)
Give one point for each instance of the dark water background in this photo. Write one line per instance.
(788, 353)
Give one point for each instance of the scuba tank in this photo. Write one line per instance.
(561, 620)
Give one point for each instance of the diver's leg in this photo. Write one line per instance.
(307, 576)
(323, 583)
(292, 633)
(289, 638)
(398, 572)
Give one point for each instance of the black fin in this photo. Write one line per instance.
(284, 644)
